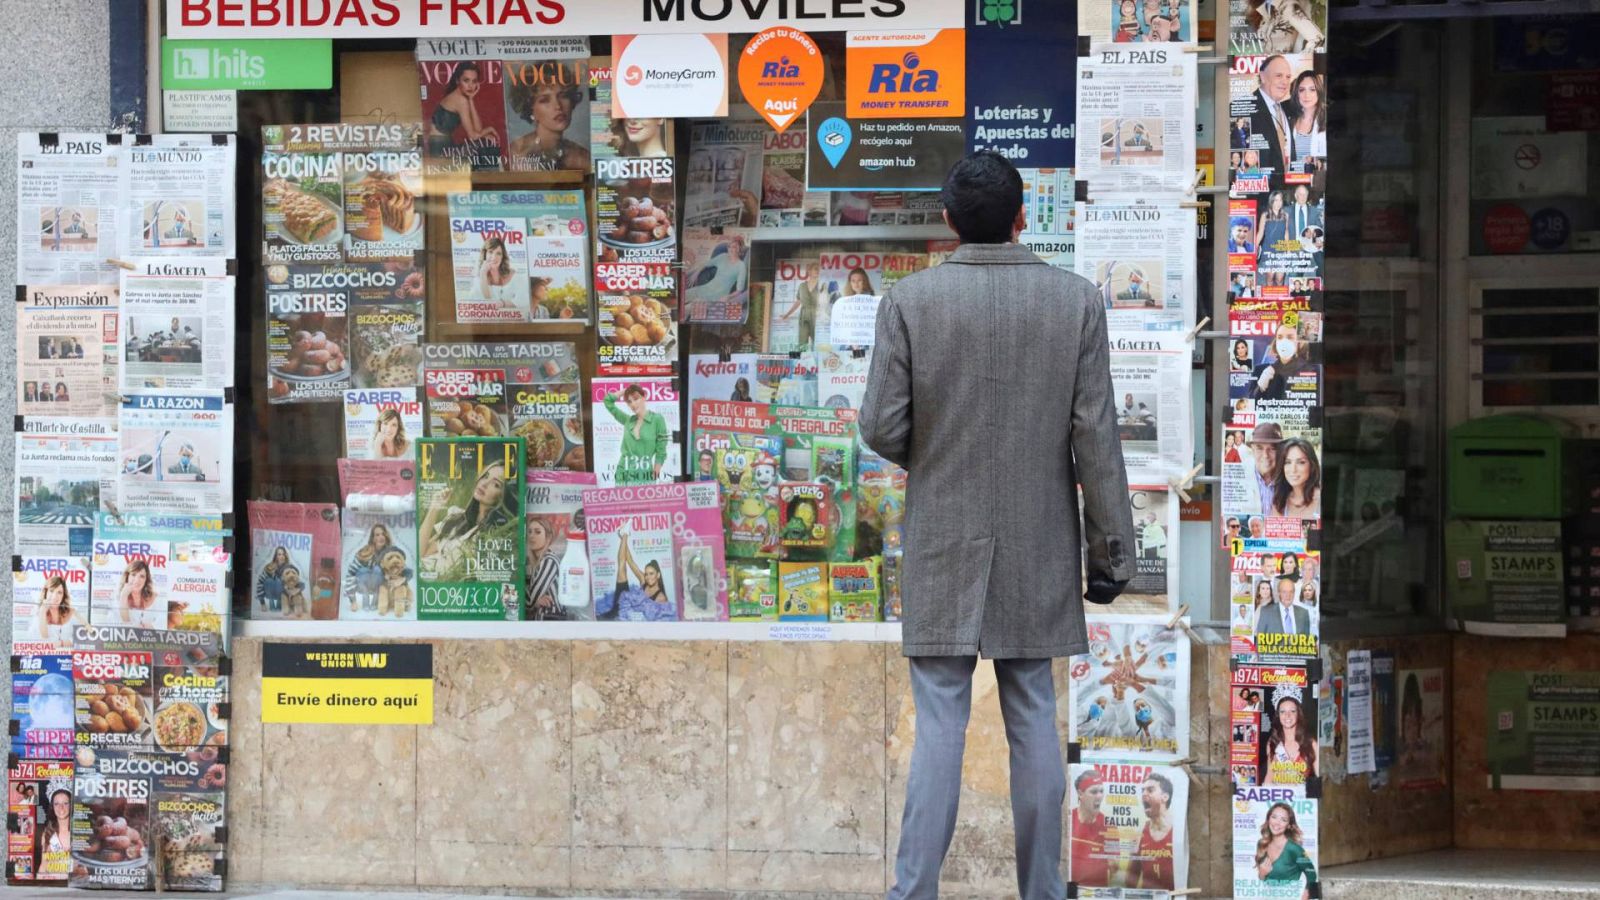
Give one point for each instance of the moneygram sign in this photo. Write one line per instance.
(543, 18)
(669, 75)
(246, 65)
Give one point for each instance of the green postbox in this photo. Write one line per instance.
(1510, 467)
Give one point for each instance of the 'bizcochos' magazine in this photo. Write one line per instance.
(470, 528)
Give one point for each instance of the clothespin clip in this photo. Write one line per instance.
(1194, 332)
(1199, 176)
(1183, 893)
(1177, 617)
(123, 264)
(1197, 48)
(1177, 622)
(1185, 764)
(1195, 204)
(1181, 484)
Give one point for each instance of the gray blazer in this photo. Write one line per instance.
(991, 384)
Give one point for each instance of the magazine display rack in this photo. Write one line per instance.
(117, 768)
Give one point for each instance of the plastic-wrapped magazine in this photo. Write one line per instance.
(1129, 830)
(470, 528)
(467, 403)
(382, 169)
(547, 103)
(39, 805)
(783, 183)
(113, 833)
(143, 583)
(67, 349)
(379, 539)
(41, 706)
(448, 145)
(632, 567)
(294, 572)
(191, 538)
(854, 591)
(846, 274)
(803, 591)
(386, 334)
(1275, 843)
(636, 209)
(550, 418)
(880, 506)
(677, 527)
(191, 825)
(716, 281)
(842, 376)
(114, 697)
(805, 516)
(820, 446)
(714, 378)
(467, 383)
(1129, 694)
(176, 454)
(795, 306)
(382, 423)
(612, 137)
(725, 172)
(520, 256)
(62, 480)
(139, 689)
(144, 821)
(637, 432)
(791, 325)
(49, 598)
(343, 192)
(749, 336)
(556, 530)
(786, 379)
(180, 771)
(131, 583)
(737, 442)
(638, 317)
(310, 312)
(752, 591)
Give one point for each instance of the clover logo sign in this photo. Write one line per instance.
(998, 12)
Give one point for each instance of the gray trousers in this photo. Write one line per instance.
(941, 687)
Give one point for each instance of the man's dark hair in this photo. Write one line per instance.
(982, 194)
(1162, 782)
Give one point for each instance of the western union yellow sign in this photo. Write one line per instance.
(347, 684)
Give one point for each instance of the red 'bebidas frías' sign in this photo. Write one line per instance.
(542, 18)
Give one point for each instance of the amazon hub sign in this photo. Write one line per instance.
(541, 18)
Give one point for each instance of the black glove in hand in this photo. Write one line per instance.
(1102, 591)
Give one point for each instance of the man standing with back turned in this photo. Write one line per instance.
(991, 385)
